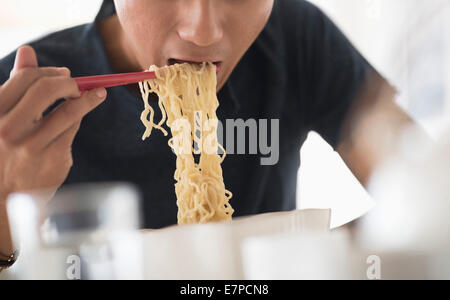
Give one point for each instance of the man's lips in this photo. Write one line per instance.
(173, 61)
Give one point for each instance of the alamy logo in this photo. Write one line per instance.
(253, 137)
(374, 270)
(73, 271)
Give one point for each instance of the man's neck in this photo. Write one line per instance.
(117, 48)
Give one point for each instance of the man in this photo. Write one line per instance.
(279, 59)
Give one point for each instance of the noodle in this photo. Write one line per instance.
(188, 103)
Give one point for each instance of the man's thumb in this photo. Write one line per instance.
(25, 58)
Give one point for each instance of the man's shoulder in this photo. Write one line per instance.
(296, 22)
(60, 48)
(297, 10)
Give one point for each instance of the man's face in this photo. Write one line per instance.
(163, 32)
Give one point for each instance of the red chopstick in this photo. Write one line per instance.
(92, 82)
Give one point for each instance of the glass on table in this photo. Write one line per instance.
(85, 231)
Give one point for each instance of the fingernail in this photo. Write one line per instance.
(64, 71)
(100, 93)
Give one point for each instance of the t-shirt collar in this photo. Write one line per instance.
(106, 10)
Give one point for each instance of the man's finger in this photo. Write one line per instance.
(60, 148)
(23, 119)
(63, 117)
(14, 89)
(57, 157)
(25, 58)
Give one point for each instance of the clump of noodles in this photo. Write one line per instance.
(187, 95)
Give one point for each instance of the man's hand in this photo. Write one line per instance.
(35, 152)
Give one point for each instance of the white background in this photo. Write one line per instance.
(390, 34)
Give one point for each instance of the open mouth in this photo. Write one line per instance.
(173, 61)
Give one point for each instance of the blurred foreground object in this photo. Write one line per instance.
(190, 252)
(85, 232)
(412, 192)
(214, 251)
(309, 256)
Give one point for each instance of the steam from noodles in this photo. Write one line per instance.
(188, 103)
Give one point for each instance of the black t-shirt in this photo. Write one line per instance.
(301, 70)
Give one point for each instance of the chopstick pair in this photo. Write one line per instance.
(92, 82)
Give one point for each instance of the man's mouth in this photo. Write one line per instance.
(173, 61)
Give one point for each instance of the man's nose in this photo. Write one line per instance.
(200, 24)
